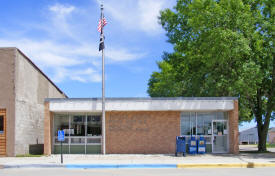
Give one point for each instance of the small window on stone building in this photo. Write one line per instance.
(1, 124)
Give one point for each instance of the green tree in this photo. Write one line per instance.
(221, 48)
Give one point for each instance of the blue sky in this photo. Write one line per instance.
(61, 38)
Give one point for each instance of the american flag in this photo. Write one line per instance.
(101, 24)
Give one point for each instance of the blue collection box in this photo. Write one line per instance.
(201, 145)
(192, 146)
(180, 145)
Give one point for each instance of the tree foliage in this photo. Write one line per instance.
(221, 48)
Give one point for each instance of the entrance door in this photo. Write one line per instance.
(2, 132)
(219, 136)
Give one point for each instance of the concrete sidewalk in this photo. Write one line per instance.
(142, 161)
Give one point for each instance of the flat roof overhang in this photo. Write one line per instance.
(142, 104)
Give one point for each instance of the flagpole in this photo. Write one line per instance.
(103, 89)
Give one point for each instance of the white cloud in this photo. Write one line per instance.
(116, 55)
(44, 53)
(81, 75)
(60, 25)
(86, 75)
(137, 14)
(66, 54)
(149, 12)
(59, 58)
(62, 10)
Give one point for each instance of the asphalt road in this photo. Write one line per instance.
(139, 172)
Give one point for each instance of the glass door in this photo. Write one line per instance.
(219, 136)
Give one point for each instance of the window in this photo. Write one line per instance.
(61, 122)
(93, 126)
(193, 124)
(78, 125)
(82, 133)
(199, 123)
(1, 124)
(185, 123)
(204, 120)
(188, 123)
(221, 116)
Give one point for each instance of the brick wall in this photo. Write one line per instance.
(142, 132)
(234, 129)
(48, 124)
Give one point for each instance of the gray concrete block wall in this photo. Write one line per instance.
(31, 88)
(29, 126)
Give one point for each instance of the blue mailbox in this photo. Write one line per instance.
(192, 145)
(201, 145)
(180, 145)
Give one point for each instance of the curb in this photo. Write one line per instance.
(105, 166)
(32, 166)
(140, 166)
(226, 165)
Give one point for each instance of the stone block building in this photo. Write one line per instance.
(23, 88)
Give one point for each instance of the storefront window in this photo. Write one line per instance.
(78, 125)
(185, 123)
(193, 123)
(82, 133)
(61, 122)
(204, 120)
(199, 123)
(221, 116)
(93, 126)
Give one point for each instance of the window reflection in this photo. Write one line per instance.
(185, 123)
(78, 125)
(82, 133)
(93, 126)
(61, 122)
(200, 123)
(204, 120)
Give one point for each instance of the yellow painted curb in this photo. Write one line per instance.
(226, 165)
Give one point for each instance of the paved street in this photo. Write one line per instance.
(138, 172)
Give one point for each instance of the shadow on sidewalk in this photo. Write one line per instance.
(242, 155)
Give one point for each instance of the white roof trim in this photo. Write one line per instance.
(90, 105)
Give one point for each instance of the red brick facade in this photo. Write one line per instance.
(48, 125)
(234, 129)
(142, 132)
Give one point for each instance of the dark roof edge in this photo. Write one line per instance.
(143, 98)
(29, 60)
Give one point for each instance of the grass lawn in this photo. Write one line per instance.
(270, 145)
(28, 155)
